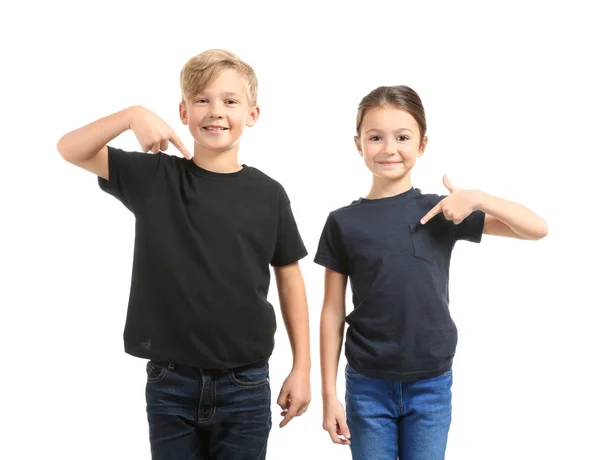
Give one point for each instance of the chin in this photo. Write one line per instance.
(215, 144)
(391, 176)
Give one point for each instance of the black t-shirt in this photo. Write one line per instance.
(400, 327)
(203, 245)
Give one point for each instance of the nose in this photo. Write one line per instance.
(389, 147)
(215, 110)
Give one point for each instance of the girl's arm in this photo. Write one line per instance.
(507, 218)
(332, 334)
(502, 217)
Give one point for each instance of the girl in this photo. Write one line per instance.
(395, 246)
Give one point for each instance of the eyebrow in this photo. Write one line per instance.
(397, 131)
(227, 94)
(231, 94)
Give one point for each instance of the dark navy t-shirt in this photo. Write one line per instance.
(401, 326)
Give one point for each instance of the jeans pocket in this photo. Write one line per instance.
(350, 372)
(155, 372)
(445, 380)
(250, 377)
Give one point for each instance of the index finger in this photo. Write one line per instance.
(434, 211)
(336, 438)
(179, 146)
(291, 413)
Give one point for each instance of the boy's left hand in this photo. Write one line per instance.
(294, 396)
(457, 206)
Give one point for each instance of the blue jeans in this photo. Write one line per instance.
(391, 420)
(200, 415)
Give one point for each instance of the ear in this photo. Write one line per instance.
(357, 143)
(183, 113)
(252, 117)
(423, 145)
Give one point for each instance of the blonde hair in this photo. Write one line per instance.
(201, 69)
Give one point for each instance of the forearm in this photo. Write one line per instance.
(332, 334)
(82, 144)
(517, 217)
(294, 310)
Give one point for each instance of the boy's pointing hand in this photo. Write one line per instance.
(154, 134)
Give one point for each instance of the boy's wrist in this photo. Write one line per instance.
(302, 365)
(131, 113)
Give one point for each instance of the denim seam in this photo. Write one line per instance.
(213, 402)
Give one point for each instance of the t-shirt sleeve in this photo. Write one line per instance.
(289, 247)
(330, 252)
(470, 229)
(130, 176)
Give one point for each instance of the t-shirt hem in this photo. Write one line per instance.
(290, 260)
(200, 364)
(330, 264)
(403, 376)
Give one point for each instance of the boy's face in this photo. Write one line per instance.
(217, 116)
(389, 142)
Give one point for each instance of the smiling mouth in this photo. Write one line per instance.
(215, 128)
(387, 163)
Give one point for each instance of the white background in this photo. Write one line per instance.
(511, 95)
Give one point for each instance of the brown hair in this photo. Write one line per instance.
(401, 97)
(201, 69)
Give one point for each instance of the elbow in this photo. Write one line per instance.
(333, 316)
(62, 148)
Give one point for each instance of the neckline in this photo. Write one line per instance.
(194, 168)
(410, 193)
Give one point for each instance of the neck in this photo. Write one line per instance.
(383, 188)
(217, 161)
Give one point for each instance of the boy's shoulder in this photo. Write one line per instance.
(259, 175)
(264, 181)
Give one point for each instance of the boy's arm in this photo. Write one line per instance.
(86, 147)
(295, 393)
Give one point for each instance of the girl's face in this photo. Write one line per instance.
(389, 142)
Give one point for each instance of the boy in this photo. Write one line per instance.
(207, 229)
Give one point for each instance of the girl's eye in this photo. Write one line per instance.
(231, 102)
(402, 138)
(374, 138)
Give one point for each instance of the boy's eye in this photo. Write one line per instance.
(202, 100)
(230, 102)
(403, 138)
(374, 138)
